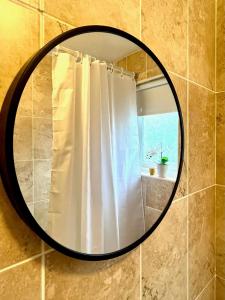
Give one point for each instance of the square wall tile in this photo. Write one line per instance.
(220, 46)
(220, 231)
(180, 86)
(151, 216)
(136, 62)
(220, 288)
(24, 173)
(34, 3)
(42, 138)
(201, 138)
(25, 104)
(22, 282)
(153, 72)
(220, 138)
(17, 241)
(164, 30)
(201, 240)
(209, 292)
(22, 138)
(42, 88)
(152, 68)
(121, 14)
(164, 257)
(19, 40)
(122, 63)
(158, 192)
(202, 42)
(41, 214)
(52, 28)
(42, 180)
(75, 279)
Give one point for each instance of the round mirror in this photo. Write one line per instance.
(92, 141)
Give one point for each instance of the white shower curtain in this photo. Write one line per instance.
(95, 199)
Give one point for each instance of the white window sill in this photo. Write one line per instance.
(148, 176)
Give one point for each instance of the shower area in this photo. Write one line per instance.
(44, 151)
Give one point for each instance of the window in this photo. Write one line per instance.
(159, 132)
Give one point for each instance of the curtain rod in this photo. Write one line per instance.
(110, 66)
(152, 83)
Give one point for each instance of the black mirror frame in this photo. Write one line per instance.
(7, 120)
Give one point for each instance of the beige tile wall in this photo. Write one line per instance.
(140, 63)
(156, 192)
(177, 261)
(220, 149)
(32, 140)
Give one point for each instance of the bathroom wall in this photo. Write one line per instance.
(156, 191)
(178, 259)
(220, 151)
(32, 140)
(140, 63)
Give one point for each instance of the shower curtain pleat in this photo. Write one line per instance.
(95, 199)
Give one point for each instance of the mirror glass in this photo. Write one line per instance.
(97, 143)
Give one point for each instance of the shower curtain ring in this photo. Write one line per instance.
(56, 52)
(122, 73)
(111, 67)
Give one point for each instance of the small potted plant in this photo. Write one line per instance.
(162, 166)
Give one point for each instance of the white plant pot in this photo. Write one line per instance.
(162, 170)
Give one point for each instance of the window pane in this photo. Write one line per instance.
(159, 132)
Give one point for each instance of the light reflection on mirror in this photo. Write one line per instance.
(96, 143)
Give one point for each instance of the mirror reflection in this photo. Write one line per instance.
(97, 143)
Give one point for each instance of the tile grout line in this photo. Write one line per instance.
(191, 81)
(219, 92)
(205, 287)
(38, 202)
(177, 200)
(215, 201)
(35, 117)
(42, 40)
(25, 5)
(221, 278)
(20, 263)
(43, 118)
(215, 83)
(42, 5)
(215, 192)
(45, 14)
(215, 224)
(30, 160)
(215, 46)
(187, 149)
(25, 261)
(39, 10)
(204, 189)
(220, 185)
(196, 192)
(199, 85)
